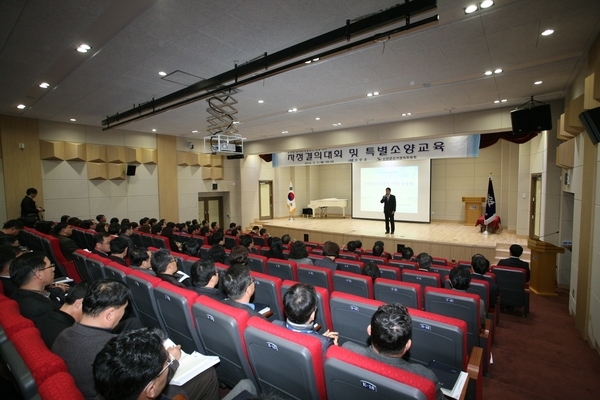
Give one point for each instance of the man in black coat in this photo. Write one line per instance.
(514, 260)
(389, 208)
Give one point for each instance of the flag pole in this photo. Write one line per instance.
(487, 199)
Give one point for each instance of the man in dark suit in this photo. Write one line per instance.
(164, 266)
(514, 260)
(63, 232)
(239, 287)
(389, 208)
(102, 247)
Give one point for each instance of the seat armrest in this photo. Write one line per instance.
(475, 372)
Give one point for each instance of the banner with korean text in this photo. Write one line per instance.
(415, 149)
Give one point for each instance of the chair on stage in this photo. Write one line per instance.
(513, 289)
(353, 376)
(286, 363)
(348, 282)
(393, 291)
(351, 315)
(221, 330)
(316, 276)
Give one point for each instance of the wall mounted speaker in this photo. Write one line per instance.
(534, 119)
(131, 170)
(591, 122)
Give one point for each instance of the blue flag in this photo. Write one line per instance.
(490, 204)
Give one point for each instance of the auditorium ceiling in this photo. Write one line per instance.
(427, 71)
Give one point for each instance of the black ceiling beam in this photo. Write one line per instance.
(367, 24)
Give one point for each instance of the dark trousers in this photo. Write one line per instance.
(389, 220)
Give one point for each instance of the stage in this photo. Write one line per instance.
(451, 240)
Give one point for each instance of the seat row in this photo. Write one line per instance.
(37, 372)
(212, 327)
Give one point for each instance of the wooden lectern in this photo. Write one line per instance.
(472, 209)
(543, 267)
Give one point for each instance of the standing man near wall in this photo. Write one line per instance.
(389, 208)
(28, 206)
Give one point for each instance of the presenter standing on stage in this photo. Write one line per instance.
(389, 208)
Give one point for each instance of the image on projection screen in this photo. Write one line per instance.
(410, 181)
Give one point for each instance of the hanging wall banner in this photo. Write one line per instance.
(421, 148)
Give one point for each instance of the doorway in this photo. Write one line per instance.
(265, 199)
(535, 209)
(211, 209)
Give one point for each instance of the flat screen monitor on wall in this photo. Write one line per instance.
(591, 122)
(410, 181)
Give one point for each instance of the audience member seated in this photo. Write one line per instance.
(372, 270)
(351, 246)
(156, 229)
(377, 250)
(11, 227)
(164, 266)
(214, 226)
(101, 218)
(407, 253)
(217, 238)
(114, 229)
(263, 232)
(479, 266)
(126, 232)
(358, 244)
(191, 248)
(139, 259)
(247, 242)
(102, 246)
(238, 256)
(44, 227)
(286, 239)
(118, 250)
(193, 229)
(300, 304)
(68, 246)
(7, 254)
(390, 332)
(9, 240)
(57, 320)
(424, 260)
(255, 230)
(514, 260)
(135, 365)
(205, 278)
(103, 307)
(460, 279)
(331, 251)
(101, 227)
(31, 273)
(299, 253)
(239, 288)
(217, 253)
(276, 249)
(168, 233)
(204, 231)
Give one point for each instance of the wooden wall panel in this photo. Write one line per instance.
(168, 189)
(22, 167)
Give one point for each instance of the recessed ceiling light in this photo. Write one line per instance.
(470, 9)
(162, 73)
(316, 59)
(293, 109)
(21, 106)
(487, 73)
(307, 61)
(236, 122)
(318, 119)
(375, 93)
(547, 32)
(284, 132)
(497, 70)
(486, 3)
(369, 94)
(261, 101)
(537, 82)
(408, 113)
(153, 130)
(73, 120)
(44, 85)
(503, 101)
(83, 48)
(496, 101)
(194, 131)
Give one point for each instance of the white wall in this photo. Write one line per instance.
(67, 189)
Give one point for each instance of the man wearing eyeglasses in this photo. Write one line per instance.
(103, 308)
(239, 287)
(164, 266)
(32, 273)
